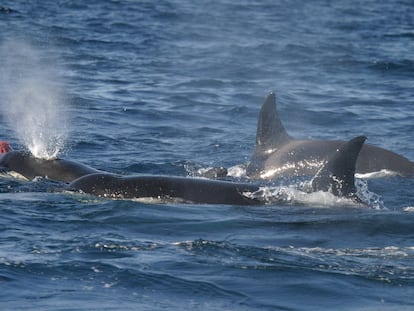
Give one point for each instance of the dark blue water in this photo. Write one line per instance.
(167, 87)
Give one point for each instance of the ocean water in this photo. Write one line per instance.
(169, 87)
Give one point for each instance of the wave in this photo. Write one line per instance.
(385, 264)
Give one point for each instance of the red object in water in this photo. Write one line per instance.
(4, 147)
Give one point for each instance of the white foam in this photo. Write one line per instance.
(293, 195)
(237, 171)
(297, 194)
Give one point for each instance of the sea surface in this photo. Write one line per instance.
(172, 87)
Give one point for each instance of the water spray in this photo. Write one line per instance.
(32, 100)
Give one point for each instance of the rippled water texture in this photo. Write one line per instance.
(169, 87)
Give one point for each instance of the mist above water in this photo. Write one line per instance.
(32, 100)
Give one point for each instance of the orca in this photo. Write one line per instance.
(26, 165)
(335, 176)
(277, 154)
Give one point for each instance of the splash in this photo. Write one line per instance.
(32, 99)
(372, 199)
(296, 194)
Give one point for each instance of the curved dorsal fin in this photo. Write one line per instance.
(337, 175)
(270, 130)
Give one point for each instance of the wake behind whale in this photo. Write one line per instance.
(32, 100)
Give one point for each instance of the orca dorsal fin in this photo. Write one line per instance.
(270, 131)
(337, 175)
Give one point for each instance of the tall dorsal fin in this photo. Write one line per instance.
(337, 175)
(270, 131)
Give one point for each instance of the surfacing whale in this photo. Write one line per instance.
(26, 165)
(335, 176)
(277, 154)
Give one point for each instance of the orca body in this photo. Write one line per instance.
(336, 176)
(195, 190)
(30, 167)
(277, 154)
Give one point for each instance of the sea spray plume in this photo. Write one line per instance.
(32, 99)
